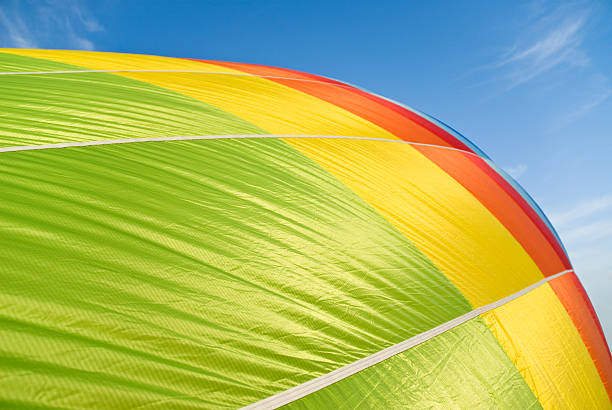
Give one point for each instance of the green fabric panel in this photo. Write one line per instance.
(40, 109)
(464, 368)
(12, 63)
(196, 273)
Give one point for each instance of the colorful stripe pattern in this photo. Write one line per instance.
(275, 227)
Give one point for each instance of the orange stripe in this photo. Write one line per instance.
(570, 292)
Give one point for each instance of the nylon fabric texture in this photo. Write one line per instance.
(218, 272)
(557, 371)
(462, 368)
(248, 273)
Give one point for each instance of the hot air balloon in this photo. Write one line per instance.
(181, 233)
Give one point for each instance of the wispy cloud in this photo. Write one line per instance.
(596, 99)
(517, 170)
(584, 209)
(550, 51)
(14, 32)
(585, 223)
(557, 45)
(47, 24)
(591, 232)
(548, 38)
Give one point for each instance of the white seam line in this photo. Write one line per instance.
(328, 379)
(176, 71)
(213, 137)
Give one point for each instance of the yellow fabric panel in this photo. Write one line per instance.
(444, 220)
(540, 338)
(272, 106)
(96, 60)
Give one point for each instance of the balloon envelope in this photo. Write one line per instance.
(181, 233)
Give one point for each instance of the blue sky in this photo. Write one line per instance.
(530, 82)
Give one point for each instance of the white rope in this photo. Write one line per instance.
(176, 71)
(213, 137)
(328, 379)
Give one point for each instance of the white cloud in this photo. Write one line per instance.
(517, 170)
(559, 44)
(582, 210)
(553, 44)
(551, 48)
(47, 24)
(589, 232)
(549, 38)
(13, 31)
(91, 25)
(587, 106)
